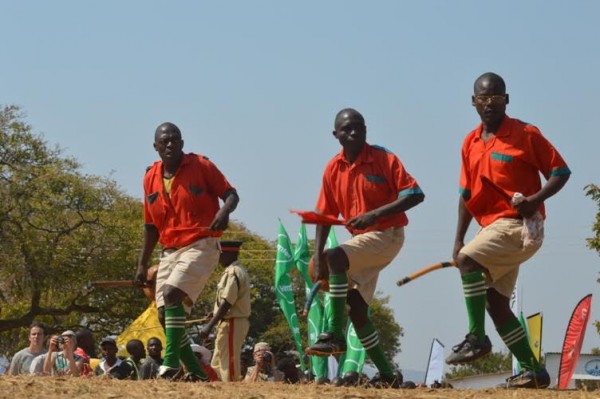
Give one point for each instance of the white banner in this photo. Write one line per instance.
(435, 368)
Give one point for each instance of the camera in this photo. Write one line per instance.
(267, 357)
(60, 340)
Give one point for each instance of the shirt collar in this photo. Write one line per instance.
(106, 367)
(364, 156)
(503, 130)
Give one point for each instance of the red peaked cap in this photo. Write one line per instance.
(231, 246)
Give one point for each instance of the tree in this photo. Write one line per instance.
(494, 362)
(593, 191)
(58, 229)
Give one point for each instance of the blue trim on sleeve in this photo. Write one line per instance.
(560, 171)
(380, 148)
(466, 194)
(410, 191)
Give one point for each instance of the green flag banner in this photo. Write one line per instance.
(315, 313)
(284, 262)
(355, 355)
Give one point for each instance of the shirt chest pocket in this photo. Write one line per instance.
(503, 164)
(374, 184)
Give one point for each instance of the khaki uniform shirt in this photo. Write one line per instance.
(234, 287)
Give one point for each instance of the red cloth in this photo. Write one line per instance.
(310, 217)
(86, 369)
(212, 374)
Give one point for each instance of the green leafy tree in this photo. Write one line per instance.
(58, 229)
(494, 362)
(593, 191)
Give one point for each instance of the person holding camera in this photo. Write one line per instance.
(63, 360)
(264, 368)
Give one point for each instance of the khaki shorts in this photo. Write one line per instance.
(368, 254)
(188, 269)
(499, 249)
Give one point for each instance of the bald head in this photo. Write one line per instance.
(489, 79)
(348, 114)
(166, 127)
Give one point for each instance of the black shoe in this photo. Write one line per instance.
(351, 379)
(528, 379)
(327, 345)
(322, 381)
(190, 377)
(469, 350)
(381, 381)
(337, 381)
(169, 373)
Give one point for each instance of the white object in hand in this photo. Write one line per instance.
(533, 227)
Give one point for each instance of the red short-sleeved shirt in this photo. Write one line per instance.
(185, 215)
(513, 159)
(377, 177)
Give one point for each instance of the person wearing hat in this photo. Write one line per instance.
(112, 366)
(230, 314)
(264, 368)
(63, 360)
(182, 211)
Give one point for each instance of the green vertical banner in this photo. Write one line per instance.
(318, 364)
(284, 262)
(354, 358)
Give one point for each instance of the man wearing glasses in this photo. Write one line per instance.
(501, 158)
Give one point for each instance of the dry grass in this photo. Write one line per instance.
(50, 387)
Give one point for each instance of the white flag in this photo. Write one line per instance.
(435, 368)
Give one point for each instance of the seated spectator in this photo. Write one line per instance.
(21, 361)
(287, 366)
(112, 366)
(137, 352)
(4, 364)
(61, 359)
(86, 349)
(149, 369)
(264, 368)
(204, 357)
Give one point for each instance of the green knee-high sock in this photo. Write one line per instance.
(174, 331)
(370, 341)
(513, 335)
(475, 293)
(338, 293)
(188, 358)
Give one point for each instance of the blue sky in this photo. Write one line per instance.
(255, 87)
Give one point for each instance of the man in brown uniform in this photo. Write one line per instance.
(231, 313)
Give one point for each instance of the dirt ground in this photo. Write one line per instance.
(53, 387)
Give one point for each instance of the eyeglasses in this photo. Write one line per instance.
(494, 99)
